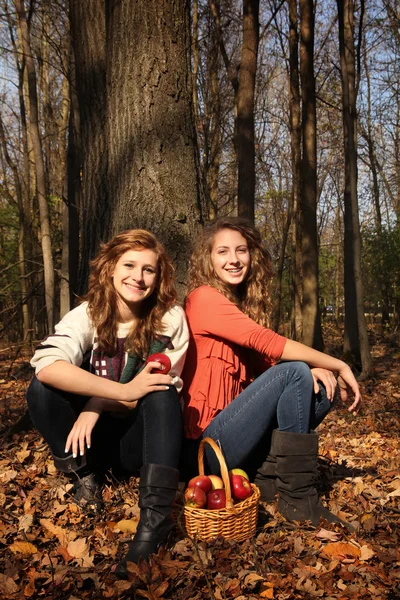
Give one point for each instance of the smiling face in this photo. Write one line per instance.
(135, 278)
(230, 257)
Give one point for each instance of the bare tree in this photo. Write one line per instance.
(356, 336)
(311, 330)
(45, 230)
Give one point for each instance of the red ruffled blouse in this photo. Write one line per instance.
(227, 350)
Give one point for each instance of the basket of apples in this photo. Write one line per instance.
(224, 506)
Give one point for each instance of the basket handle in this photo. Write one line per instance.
(222, 464)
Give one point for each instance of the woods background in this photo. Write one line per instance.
(164, 115)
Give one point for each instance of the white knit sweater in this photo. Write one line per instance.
(75, 337)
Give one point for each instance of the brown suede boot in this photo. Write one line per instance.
(296, 455)
(266, 476)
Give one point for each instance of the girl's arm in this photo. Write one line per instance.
(70, 378)
(314, 358)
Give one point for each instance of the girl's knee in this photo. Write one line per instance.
(36, 395)
(165, 398)
(300, 370)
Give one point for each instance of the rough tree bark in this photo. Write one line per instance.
(245, 110)
(45, 231)
(311, 331)
(72, 198)
(295, 142)
(88, 33)
(22, 233)
(153, 165)
(356, 344)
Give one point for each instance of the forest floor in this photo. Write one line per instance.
(52, 549)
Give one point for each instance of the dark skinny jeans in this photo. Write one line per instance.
(150, 433)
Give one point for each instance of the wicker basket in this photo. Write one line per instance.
(235, 521)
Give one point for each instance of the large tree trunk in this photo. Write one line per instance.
(153, 175)
(311, 333)
(21, 237)
(23, 193)
(39, 165)
(245, 110)
(295, 142)
(65, 288)
(88, 32)
(212, 133)
(72, 202)
(355, 334)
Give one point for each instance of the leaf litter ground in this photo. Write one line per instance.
(52, 549)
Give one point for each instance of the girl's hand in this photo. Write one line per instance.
(348, 385)
(327, 378)
(81, 433)
(146, 382)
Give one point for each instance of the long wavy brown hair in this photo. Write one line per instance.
(252, 296)
(102, 297)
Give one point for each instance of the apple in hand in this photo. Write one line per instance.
(203, 481)
(239, 472)
(217, 483)
(164, 361)
(241, 488)
(195, 497)
(216, 499)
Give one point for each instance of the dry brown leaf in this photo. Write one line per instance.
(23, 548)
(64, 536)
(127, 525)
(309, 586)
(325, 534)
(25, 522)
(267, 593)
(7, 585)
(366, 553)
(62, 551)
(79, 549)
(22, 455)
(8, 475)
(340, 550)
(251, 580)
(29, 589)
(298, 545)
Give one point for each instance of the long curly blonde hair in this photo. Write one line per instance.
(252, 296)
(102, 297)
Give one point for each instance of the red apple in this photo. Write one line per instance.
(216, 499)
(217, 483)
(241, 488)
(203, 481)
(239, 472)
(164, 361)
(195, 497)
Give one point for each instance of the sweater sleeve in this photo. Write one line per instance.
(72, 338)
(175, 327)
(211, 313)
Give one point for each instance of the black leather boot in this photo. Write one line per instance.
(297, 455)
(157, 489)
(266, 476)
(87, 485)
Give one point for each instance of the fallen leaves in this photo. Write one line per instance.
(23, 548)
(51, 548)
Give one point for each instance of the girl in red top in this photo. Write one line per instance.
(248, 387)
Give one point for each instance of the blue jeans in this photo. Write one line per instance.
(283, 398)
(150, 433)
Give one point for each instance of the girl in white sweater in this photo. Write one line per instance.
(97, 403)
